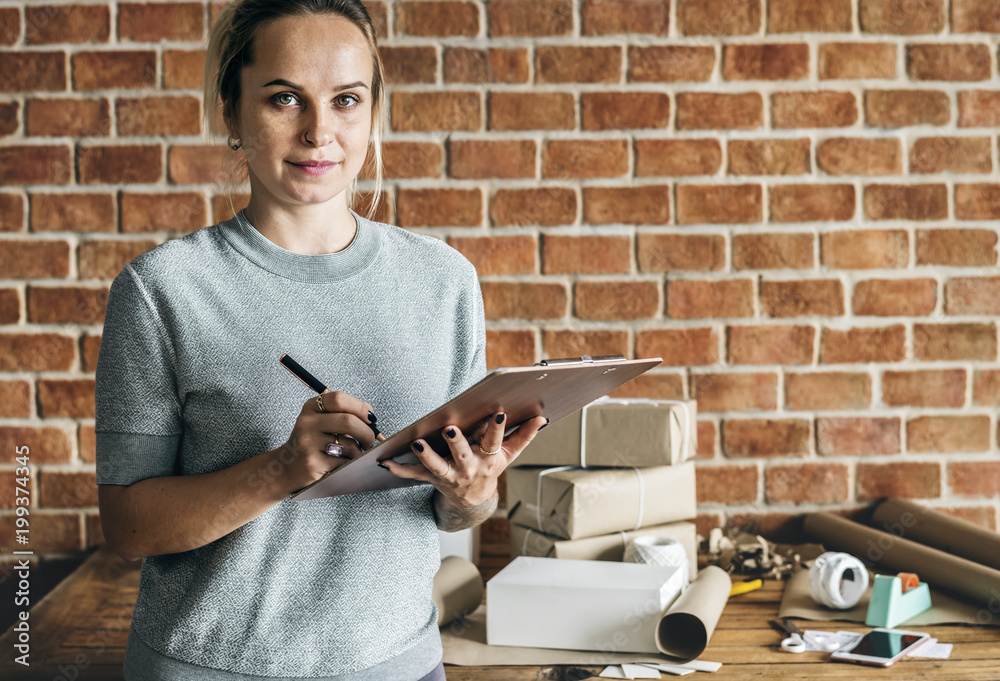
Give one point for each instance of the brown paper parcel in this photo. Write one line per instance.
(618, 433)
(525, 541)
(571, 503)
(458, 589)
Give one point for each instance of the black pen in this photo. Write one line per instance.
(300, 373)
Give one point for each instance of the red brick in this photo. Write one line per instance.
(735, 392)
(576, 64)
(159, 116)
(826, 109)
(974, 478)
(67, 117)
(183, 69)
(585, 158)
(531, 111)
(529, 18)
(90, 347)
(863, 345)
(478, 159)
(121, 164)
(978, 108)
(857, 60)
(510, 348)
(951, 154)
(812, 202)
(902, 17)
(948, 434)
(11, 213)
(105, 258)
(107, 69)
(409, 64)
(614, 17)
(32, 71)
(862, 250)
(731, 203)
(663, 157)
(36, 352)
(498, 255)
(427, 111)
(616, 299)
(771, 344)
(437, 19)
(814, 391)
(225, 206)
(153, 22)
(773, 251)
(895, 297)
(707, 437)
(35, 164)
(972, 295)
(769, 157)
(10, 120)
(975, 16)
(860, 156)
(439, 207)
(201, 164)
(986, 387)
(964, 341)
(67, 489)
(776, 61)
(67, 24)
(10, 25)
(575, 343)
(908, 479)
(670, 63)
(895, 108)
(765, 437)
(586, 254)
(718, 17)
(624, 110)
(15, 399)
(707, 299)
(807, 483)
(977, 201)
(34, 259)
(648, 204)
(653, 386)
(545, 206)
(380, 17)
(949, 62)
(726, 484)
(55, 533)
(64, 305)
(713, 111)
(669, 252)
(46, 444)
(802, 298)
(66, 398)
(924, 388)
(524, 300)
(487, 65)
(72, 213)
(10, 306)
(403, 160)
(793, 16)
(679, 347)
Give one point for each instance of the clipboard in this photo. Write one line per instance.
(552, 388)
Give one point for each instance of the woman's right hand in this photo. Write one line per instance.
(345, 421)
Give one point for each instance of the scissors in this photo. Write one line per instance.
(796, 641)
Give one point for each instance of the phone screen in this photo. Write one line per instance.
(885, 644)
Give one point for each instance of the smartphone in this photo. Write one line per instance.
(881, 647)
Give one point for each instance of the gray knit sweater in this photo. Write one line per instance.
(188, 382)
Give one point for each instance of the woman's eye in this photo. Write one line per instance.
(284, 99)
(346, 100)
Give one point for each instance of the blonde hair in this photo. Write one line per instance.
(230, 48)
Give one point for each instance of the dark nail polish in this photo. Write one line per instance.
(450, 432)
(371, 417)
(544, 425)
(382, 465)
(500, 417)
(374, 430)
(547, 422)
(417, 446)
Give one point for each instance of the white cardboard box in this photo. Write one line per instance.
(579, 604)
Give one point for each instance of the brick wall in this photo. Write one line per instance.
(794, 202)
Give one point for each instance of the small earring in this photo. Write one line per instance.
(234, 145)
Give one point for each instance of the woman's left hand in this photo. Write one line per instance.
(469, 477)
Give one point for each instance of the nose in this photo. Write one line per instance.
(318, 131)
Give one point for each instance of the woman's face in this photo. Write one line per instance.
(305, 109)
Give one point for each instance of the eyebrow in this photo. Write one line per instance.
(285, 83)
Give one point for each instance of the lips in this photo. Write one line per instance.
(313, 164)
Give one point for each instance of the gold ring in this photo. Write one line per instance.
(485, 453)
(319, 403)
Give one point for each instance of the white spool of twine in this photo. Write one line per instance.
(654, 550)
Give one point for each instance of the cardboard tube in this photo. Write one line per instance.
(458, 589)
(940, 530)
(687, 626)
(895, 554)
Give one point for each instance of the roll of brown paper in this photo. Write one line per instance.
(933, 528)
(458, 589)
(895, 554)
(687, 626)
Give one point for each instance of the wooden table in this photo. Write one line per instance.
(82, 626)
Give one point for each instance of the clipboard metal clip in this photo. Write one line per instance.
(586, 359)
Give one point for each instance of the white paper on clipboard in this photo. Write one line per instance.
(553, 389)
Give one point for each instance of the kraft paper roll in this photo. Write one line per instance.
(687, 626)
(933, 528)
(895, 554)
(458, 589)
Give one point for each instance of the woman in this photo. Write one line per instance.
(202, 436)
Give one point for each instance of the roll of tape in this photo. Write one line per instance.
(654, 550)
(838, 580)
(909, 580)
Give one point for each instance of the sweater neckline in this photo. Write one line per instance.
(325, 267)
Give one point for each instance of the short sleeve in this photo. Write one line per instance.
(138, 421)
